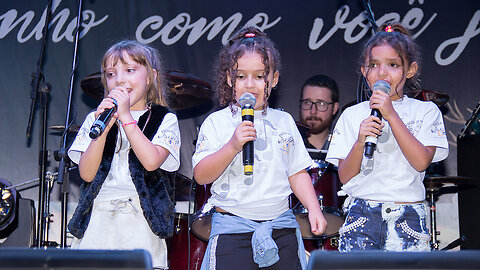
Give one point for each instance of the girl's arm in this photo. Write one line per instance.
(91, 158)
(212, 166)
(418, 155)
(301, 185)
(151, 156)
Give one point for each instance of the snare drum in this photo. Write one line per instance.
(326, 184)
(202, 222)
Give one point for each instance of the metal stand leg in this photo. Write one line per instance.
(434, 243)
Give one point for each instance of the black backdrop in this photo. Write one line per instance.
(313, 37)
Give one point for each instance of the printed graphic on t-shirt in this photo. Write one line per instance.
(438, 130)
(201, 143)
(171, 139)
(414, 126)
(285, 141)
(82, 136)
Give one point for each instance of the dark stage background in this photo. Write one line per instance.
(313, 37)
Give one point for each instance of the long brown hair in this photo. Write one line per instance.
(144, 55)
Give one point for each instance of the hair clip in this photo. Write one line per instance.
(249, 35)
(389, 29)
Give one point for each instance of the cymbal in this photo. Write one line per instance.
(60, 128)
(92, 85)
(436, 97)
(304, 129)
(186, 90)
(436, 182)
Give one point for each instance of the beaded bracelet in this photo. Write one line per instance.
(129, 123)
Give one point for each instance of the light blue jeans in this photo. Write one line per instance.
(372, 225)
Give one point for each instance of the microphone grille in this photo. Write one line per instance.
(247, 99)
(382, 86)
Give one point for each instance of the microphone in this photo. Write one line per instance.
(102, 120)
(247, 103)
(371, 141)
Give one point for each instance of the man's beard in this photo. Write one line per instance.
(319, 125)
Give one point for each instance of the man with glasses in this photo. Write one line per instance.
(318, 107)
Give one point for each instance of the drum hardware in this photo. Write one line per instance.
(433, 184)
(60, 128)
(334, 241)
(313, 150)
(186, 90)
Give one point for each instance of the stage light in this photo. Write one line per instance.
(8, 204)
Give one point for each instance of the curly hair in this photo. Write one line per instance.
(397, 36)
(249, 39)
(146, 56)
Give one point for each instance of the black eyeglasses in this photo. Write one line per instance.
(321, 105)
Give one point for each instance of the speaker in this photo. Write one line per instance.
(21, 232)
(68, 259)
(469, 199)
(442, 260)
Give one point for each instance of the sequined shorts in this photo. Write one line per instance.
(372, 225)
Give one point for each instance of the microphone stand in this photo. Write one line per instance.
(64, 160)
(370, 18)
(361, 83)
(42, 90)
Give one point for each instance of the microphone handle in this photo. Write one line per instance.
(247, 149)
(377, 113)
(101, 122)
(371, 142)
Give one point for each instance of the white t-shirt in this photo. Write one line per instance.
(119, 182)
(279, 153)
(388, 176)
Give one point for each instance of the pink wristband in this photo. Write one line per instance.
(129, 123)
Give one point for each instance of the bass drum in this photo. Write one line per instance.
(184, 248)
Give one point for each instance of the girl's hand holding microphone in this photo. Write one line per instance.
(243, 133)
(382, 102)
(121, 95)
(116, 105)
(371, 126)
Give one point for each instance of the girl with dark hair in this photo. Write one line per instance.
(385, 203)
(252, 226)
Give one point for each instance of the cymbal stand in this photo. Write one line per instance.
(431, 196)
(51, 181)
